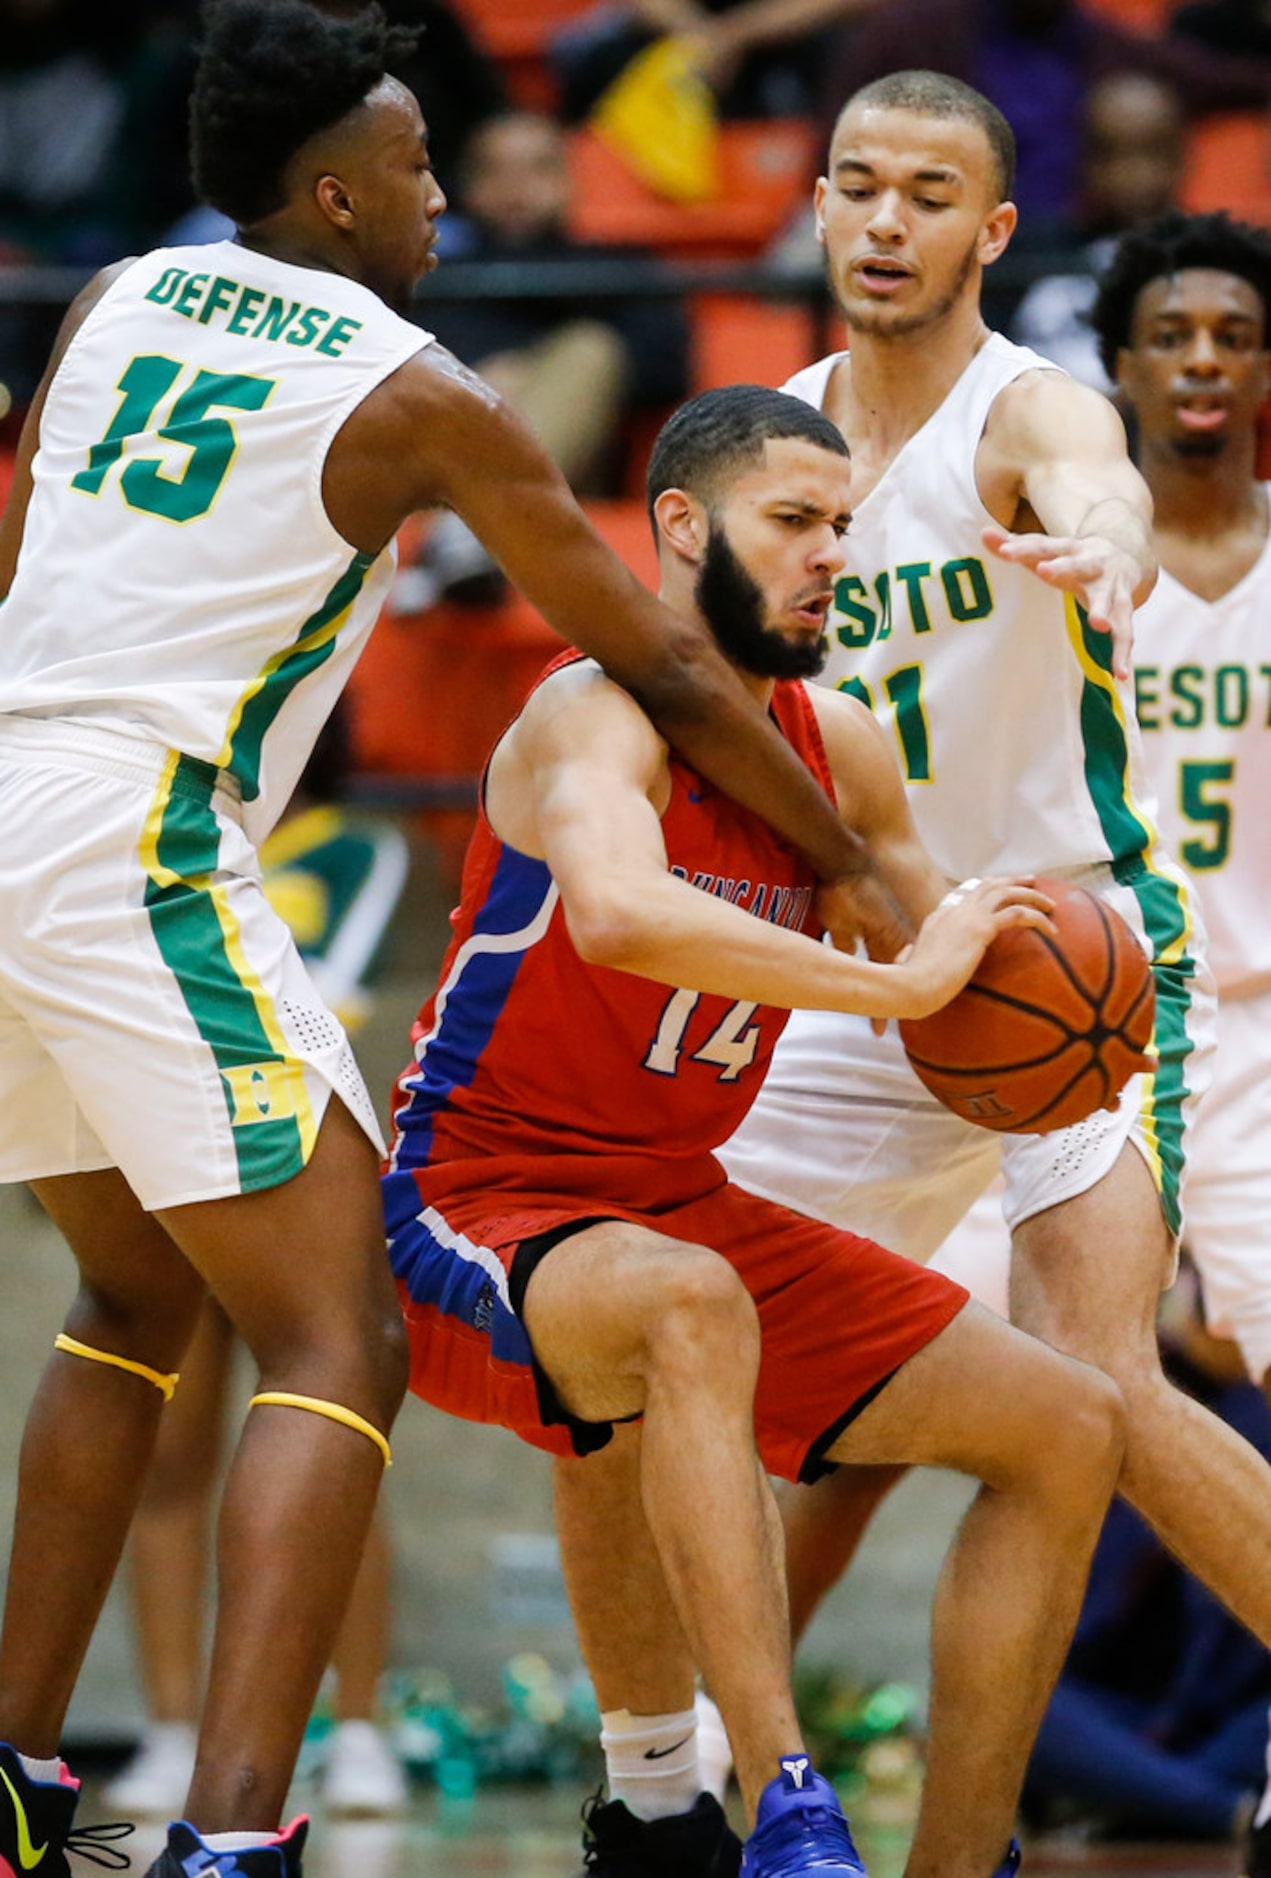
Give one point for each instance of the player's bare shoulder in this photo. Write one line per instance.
(578, 723)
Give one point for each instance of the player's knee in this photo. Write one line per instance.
(1085, 1442)
(707, 1318)
(153, 1326)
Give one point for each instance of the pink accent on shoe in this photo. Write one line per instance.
(65, 1778)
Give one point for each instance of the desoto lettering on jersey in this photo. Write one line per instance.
(1203, 681)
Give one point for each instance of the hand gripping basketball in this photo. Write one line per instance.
(1051, 1026)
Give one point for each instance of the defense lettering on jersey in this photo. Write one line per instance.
(956, 592)
(248, 312)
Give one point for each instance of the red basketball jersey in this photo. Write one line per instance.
(533, 1070)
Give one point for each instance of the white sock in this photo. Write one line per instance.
(714, 1751)
(651, 1761)
(49, 1772)
(1263, 1813)
(237, 1841)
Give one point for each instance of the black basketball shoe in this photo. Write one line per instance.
(37, 1825)
(696, 1844)
(185, 1856)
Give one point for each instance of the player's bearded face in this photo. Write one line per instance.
(732, 603)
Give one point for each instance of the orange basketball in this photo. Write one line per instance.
(1050, 1028)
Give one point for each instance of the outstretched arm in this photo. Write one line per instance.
(582, 782)
(436, 434)
(1064, 448)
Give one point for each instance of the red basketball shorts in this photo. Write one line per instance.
(838, 1315)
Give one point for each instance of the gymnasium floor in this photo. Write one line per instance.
(533, 1832)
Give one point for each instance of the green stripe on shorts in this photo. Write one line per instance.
(197, 937)
(1161, 894)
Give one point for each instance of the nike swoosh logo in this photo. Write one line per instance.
(28, 1857)
(660, 1754)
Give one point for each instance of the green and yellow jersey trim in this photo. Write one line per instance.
(1163, 894)
(257, 710)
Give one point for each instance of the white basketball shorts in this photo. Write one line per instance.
(844, 1130)
(1228, 1231)
(154, 1012)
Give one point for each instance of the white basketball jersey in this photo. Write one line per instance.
(179, 579)
(1019, 748)
(1203, 672)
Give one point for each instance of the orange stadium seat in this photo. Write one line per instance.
(1229, 166)
(738, 339)
(518, 29)
(431, 693)
(1139, 16)
(765, 166)
(516, 33)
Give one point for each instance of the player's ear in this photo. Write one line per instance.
(818, 207)
(996, 232)
(682, 523)
(334, 200)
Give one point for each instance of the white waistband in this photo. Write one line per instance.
(72, 744)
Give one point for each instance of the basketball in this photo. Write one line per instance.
(1050, 1028)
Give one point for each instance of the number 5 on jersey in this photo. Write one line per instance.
(731, 1045)
(211, 441)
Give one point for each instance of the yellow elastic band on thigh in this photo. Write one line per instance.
(164, 1384)
(334, 1411)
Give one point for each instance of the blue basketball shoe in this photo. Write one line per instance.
(1011, 1863)
(800, 1828)
(37, 1827)
(186, 1856)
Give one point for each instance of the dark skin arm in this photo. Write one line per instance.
(433, 434)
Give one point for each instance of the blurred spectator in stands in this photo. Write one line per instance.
(82, 181)
(574, 367)
(1158, 1725)
(1036, 60)
(1241, 27)
(762, 58)
(1133, 154)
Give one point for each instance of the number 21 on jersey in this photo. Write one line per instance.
(147, 382)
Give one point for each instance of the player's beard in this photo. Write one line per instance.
(1202, 447)
(881, 320)
(732, 604)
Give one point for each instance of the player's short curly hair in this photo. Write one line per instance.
(1163, 247)
(717, 432)
(936, 94)
(271, 74)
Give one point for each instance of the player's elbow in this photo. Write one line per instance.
(606, 929)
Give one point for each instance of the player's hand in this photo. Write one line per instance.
(1103, 575)
(863, 907)
(954, 936)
